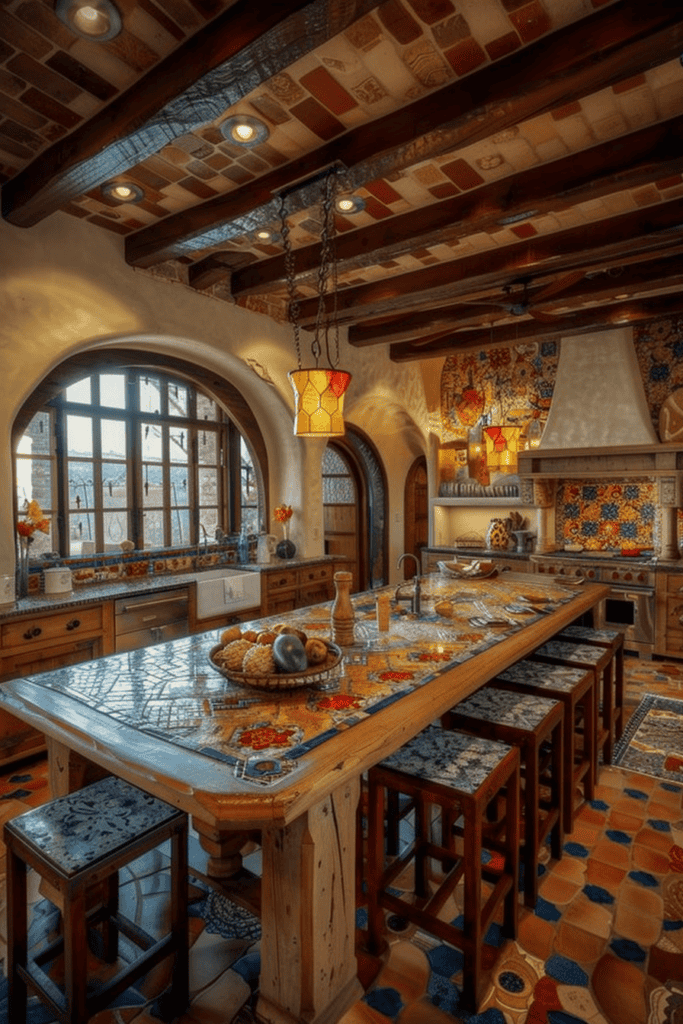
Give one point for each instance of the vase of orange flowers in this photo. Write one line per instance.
(282, 514)
(33, 520)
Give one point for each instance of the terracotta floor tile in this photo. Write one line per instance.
(594, 918)
(605, 875)
(632, 808)
(640, 928)
(619, 989)
(592, 817)
(536, 936)
(422, 1012)
(635, 780)
(571, 868)
(644, 901)
(668, 797)
(654, 840)
(667, 812)
(558, 890)
(624, 822)
(612, 853)
(583, 833)
(577, 944)
(579, 1003)
(407, 970)
(650, 860)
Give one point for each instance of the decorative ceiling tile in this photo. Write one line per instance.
(453, 30)
(87, 80)
(426, 64)
(465, 57)
(502, 46)
(321, 84)
(318, 119)
(398, 22)
(531, 21)
(50, 108)
(462, 174)
(20, 36)
(285, 89)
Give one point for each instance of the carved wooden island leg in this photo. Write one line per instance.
(308, 913)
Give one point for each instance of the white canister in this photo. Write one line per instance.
(57, 581)
(7, 589)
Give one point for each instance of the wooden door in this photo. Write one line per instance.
(341, 509)
(416, 514)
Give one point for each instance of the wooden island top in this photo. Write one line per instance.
(289, 764)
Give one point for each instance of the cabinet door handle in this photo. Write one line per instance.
(31, 634)
(73, 624)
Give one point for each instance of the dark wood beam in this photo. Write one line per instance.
(616, 315)
(631, 161)
(191, 87)
(645, 230)
(601, 286)
(608, 46)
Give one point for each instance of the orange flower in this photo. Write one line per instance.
(34, 520)
(282, 513)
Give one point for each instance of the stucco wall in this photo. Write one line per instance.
(65, 288)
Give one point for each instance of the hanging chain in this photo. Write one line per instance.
(293, 305)
(327, 271)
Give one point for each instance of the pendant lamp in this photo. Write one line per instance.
(319, 389)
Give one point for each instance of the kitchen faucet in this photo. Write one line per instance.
(206, 539)
(415, 598)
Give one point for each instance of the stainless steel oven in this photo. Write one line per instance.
(630, 605)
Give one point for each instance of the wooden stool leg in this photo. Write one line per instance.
(557, 789)
(511, 904)
(608, 711)
(590, 741)
(110, 931)
(532, 823)
(570, 752)
(180, 992)
(17, 934)
(619, 692)
(75, 955)
(472, 850)
(375, 863)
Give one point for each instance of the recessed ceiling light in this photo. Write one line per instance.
(97, 20)
(123, 191)
(349, 204)
(244, 130)
(267, 235)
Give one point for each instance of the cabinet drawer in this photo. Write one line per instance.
(30, 660)
(314, 574)
(674, 583)
(39, 629)
(674, 614)
(136, 639)
(149, 610)
(281, 580)
(316, 593)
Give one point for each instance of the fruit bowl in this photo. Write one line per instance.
(320, 676)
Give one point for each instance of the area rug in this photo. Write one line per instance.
(652, 742)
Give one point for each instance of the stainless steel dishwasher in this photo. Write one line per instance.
(150, 618)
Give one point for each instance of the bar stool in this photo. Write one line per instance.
(599, 661)
(75, 843)
(461, 775)
(535, 725)
(613, 641)
(575, 689)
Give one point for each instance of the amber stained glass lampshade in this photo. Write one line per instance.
(502, 445)
(319, 401)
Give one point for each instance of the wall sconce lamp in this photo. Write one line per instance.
(502, 445)
(318, 390)
(245, 130)
(97, 20)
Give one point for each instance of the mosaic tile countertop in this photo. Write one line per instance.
(172, 691)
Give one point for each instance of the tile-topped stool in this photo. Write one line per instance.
(613, 641)
(599, 661)
(575, 688)
(535, 725)
(74, 843)
(461, 775)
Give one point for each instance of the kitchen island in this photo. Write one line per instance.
(289, 764)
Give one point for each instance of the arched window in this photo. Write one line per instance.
(135, 454)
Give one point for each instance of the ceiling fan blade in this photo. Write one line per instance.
(544, 316)
(560, 285)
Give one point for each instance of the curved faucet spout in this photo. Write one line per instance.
(417, 592)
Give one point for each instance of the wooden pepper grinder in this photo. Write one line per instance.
(342, 616)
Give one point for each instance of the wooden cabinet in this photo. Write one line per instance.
(669, 615)
(283, 590)
(42, 641)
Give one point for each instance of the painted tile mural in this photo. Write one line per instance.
(512, 385)
(598, 515)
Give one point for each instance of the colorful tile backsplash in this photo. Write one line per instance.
(603, 516)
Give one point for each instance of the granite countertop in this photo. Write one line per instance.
(110, 590)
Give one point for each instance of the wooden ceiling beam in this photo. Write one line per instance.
(193, 86)
(606, 47)
(650, 229)
(599, 286)
(617, 315)
(634, 160)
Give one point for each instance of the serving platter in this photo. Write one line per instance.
(468, 570)
(320, 676)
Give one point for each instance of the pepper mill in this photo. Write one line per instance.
(342, 616)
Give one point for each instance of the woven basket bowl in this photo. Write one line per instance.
(316, 675)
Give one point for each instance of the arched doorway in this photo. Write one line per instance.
(354, 508)
(416, 513)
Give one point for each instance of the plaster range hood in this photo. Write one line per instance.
(599, 423)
